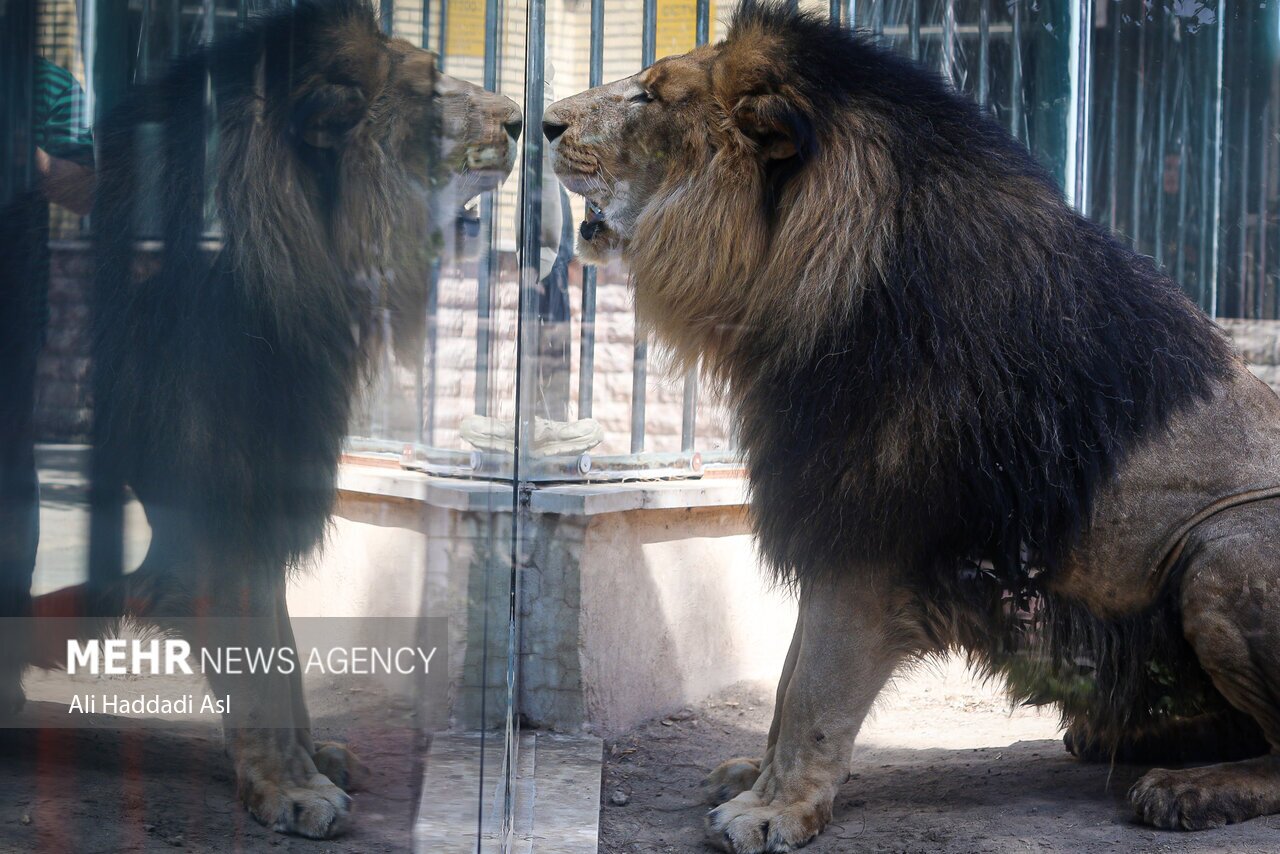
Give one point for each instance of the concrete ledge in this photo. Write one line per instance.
(588, 499)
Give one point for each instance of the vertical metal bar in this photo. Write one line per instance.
(427, 414)
(689, 414)
(488, 258)
(949, 43)
(106, 479)
(648, 33)
(877, 16)
(1162, 134)
(1139, 116)
(527, 335)
(426, 24)
(442, 37)
(587, 343)
(1242, 274)
(175, 28)
(1113, 131)
(913, 28)
(142, 72)
(1207, 222)
(1220, 78)
(984, 53)
(1083, 101)
(1015, 75)
(1264, 180)
(387, 15)
(702, 26)
(640, 358)
(1184, 151)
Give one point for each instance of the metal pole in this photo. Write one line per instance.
(442, 36)
(488, 258)
(689, 415)
(1217, 157)
(1015, 75)
(587, 343)
(640, 358)
(949, 43)
(1083, 100)
(1113, 132)
(1207, 223)
(1162, 136)
(984, 53)
(1139, 114)
(1184, 92)
(913, 27)
(1264, 179)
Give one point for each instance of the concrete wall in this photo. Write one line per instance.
(624, 614)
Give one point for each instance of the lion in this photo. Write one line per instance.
(223, 384)
(972, 419)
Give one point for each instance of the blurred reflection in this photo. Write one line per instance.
(265, 218)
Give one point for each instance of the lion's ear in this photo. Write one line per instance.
(779, 130)
(750, 87)
(323, 117)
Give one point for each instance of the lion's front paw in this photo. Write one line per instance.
(748, 825)
(1193, 798)
(340, 765)
(288, 794)
(730, 779)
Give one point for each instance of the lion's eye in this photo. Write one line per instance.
(641, 97)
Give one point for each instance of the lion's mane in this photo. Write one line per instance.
(223, 381)
(936, 360)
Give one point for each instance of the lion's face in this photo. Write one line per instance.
(616, 145)
(451, 138)
(629, 145)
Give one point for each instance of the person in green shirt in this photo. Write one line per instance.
(64, 144)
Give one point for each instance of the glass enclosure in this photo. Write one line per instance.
(1160, 120)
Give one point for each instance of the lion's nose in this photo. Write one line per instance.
(553, 130)
(513, 128)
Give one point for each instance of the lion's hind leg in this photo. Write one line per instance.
(1209, 737)
(1230, 600)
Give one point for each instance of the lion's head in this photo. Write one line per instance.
(738, 149)
(344, 154)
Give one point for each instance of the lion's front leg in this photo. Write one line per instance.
(735, 776)
(286, 782)
(853, 638)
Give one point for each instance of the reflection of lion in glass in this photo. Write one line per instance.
(224, 382)
(973, 419)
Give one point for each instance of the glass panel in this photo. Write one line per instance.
(270, 357)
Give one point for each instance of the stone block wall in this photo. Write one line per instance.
(390, 408)
(1258, 341)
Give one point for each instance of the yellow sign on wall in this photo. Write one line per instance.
(677, 28)
(464, 29)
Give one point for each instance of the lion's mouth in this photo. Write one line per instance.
(594, 222)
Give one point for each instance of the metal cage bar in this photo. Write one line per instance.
(640, 359)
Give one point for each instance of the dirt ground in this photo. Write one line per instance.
(110, 791)
(942, 767)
